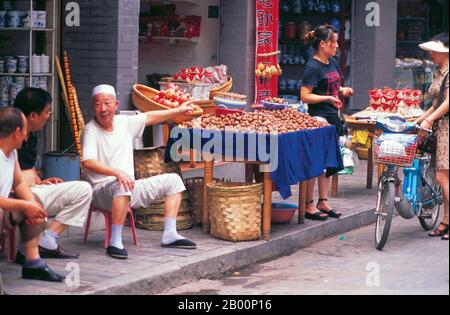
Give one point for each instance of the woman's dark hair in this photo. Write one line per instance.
(321, 33)
(32, 100)
(10, 119)
(442, 37)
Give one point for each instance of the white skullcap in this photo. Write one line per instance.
(104, 89)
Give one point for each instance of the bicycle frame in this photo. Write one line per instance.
(414, 182)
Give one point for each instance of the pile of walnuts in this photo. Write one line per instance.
(263, 122)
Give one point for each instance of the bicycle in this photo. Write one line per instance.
(421, 195)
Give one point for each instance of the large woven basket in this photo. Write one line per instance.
(150, 162)
(235, 211)
(194, 187)
(152, 219)
(224, 88)
(142, 97)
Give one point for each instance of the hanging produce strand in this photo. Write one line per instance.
(73, 112)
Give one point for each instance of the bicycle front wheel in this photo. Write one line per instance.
(385, 213)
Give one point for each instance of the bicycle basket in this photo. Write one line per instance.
(396, 149)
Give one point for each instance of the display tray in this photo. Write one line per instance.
(369, 113)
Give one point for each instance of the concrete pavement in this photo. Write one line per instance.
(151, 269)
(411, 264)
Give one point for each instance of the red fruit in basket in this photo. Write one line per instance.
(183, 99)
(176, 104)
(156, 98)
(170, 93)
(168, 103)
(162, 94)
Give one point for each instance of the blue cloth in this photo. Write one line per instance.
(296, 157)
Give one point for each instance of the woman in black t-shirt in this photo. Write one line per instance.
(321, 88)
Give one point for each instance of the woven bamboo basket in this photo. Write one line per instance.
(152, 219)
(235, 211)
(363, 153)
(142, 97)
(209, 108)
(224, 88)
(194, 187)
(150, 162)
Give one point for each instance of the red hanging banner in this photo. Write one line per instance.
(267, 21)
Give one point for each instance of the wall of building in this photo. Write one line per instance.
(103, 49)
(167, 58)
(238, 42)
(373, 50)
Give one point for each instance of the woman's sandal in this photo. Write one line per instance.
(440, 232)
(318, 216)
(332, 213)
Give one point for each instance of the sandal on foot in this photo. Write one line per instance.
(440, 232)
(318, 216)
(445, 237)
(331, 213)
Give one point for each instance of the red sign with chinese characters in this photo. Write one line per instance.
(267, 21)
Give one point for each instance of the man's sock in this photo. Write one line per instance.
(116, 236)
(170, 232)
(34, 264)
(50, 240)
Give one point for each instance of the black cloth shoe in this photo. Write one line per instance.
(42, 274)
(117, 253)
(20, 259)
(182, 244)
(58, 253)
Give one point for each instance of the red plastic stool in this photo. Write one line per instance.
(12, 249)
(107, 215)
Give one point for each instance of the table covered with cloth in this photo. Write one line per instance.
(294, 157)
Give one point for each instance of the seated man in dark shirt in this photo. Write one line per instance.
(68, 202)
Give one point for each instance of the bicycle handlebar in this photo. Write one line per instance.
(418, 127)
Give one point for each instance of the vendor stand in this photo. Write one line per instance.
(300, 147)
(300, 156)
(369, 126)
(385, 102)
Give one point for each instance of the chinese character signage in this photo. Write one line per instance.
(267, 19)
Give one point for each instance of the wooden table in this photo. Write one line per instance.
(252, 168)
(370, 126)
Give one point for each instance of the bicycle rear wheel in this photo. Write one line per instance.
(384, 215)
(430, 216)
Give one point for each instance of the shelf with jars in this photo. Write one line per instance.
(297, 19)
(28, 41)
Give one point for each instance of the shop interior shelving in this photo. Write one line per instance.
(31, 40)
(172, 40)
(296, 47)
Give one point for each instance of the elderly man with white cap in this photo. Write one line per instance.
(437, 118)
(109, 166)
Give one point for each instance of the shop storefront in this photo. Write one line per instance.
(417, 22)
(108, 48)
(29, 40)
